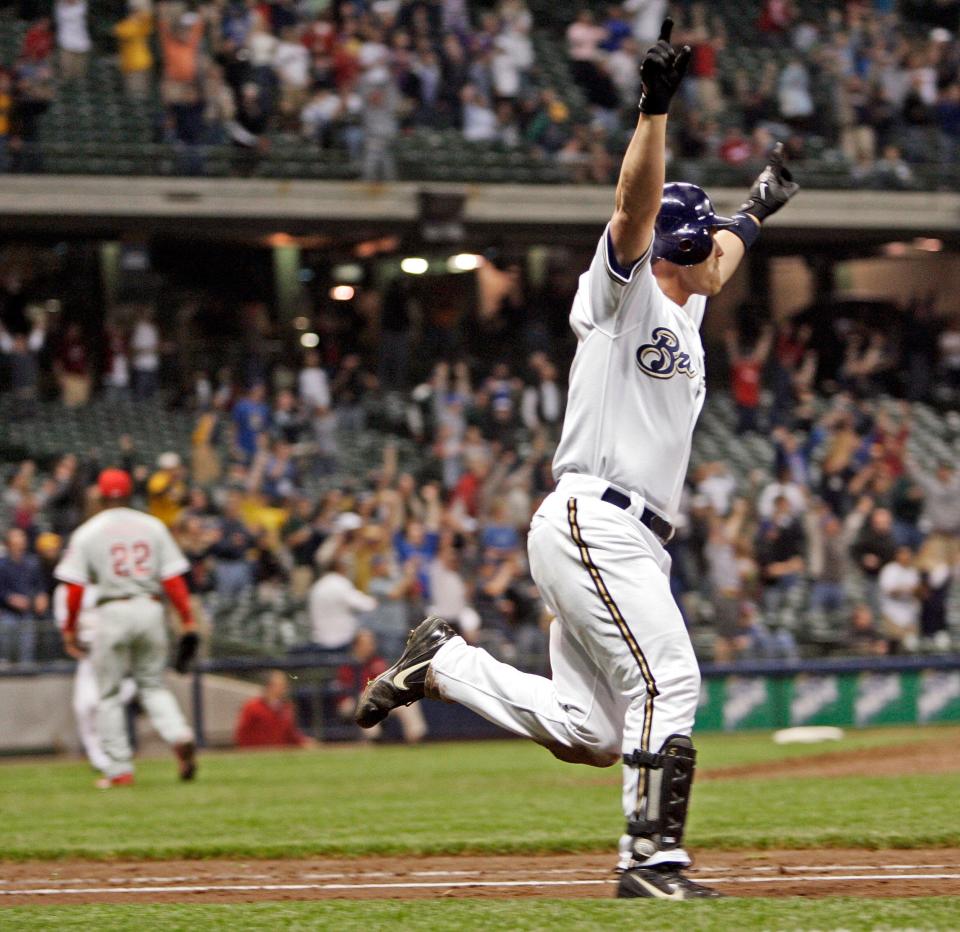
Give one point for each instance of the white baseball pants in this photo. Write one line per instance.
(86, 696)
(132, 637)
(624, 673)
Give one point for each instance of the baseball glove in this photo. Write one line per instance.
(772, 189)
(186, 651)
(661, 72)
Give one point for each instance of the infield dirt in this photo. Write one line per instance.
(819, 873)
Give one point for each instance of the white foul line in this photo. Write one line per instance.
(782, 870)
(290, 887)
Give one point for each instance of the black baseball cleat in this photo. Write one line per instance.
(661, 882)
(403, 683)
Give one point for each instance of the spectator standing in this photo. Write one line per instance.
(941, 504)
(725, 579)
(268, 720)
(780, 549)
(39, 40)
(395, 588)
(793, 89)
(783, 485)
(232, 569)
(145, 350)
(167, 488)
(251, 421)
(334, 603)
(73, 38)
(450, 592)
(899, 584)
(22, 599)
(133, 42)
(116, 376)
(72, 366)
(33, 92)
(380, 128)
(934, 563)
(479, 119)
(745, 371)
(349, 389)
(21, 351)
(829, 557)
(291, 61)
(647, 17)
(875, 547)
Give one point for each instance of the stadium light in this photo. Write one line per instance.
(928, 244)
(414, 265)
(309, 340)
(464, 262)
(301, 323)
(342, 292)
(894, 249)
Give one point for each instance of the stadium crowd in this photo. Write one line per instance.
(843, 531)
(871, 85)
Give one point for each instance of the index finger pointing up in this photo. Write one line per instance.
(666, 29)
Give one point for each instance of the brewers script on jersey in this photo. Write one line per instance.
(128, 555)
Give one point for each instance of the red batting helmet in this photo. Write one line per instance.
(115, 483)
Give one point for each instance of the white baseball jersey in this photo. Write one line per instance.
(125, 552)
(87, 620)
(637, 382)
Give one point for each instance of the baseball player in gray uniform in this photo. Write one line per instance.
(132, 558)
(625, 682)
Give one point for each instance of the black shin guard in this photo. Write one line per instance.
(659, 821)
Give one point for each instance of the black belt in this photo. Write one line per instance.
(662, 528)
(103, 600)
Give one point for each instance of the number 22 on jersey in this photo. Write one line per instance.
(130, 559)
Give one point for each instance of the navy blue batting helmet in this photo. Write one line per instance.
(684, 224)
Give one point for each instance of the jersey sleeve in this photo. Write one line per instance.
(170, 559)
(74, 566)
(610, 294)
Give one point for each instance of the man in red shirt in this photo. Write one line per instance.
(745, 372)
(267, 721)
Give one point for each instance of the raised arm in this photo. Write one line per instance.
(772, 189)
(640, 186)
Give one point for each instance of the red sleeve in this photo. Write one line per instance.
(176, 589)
(74, 601)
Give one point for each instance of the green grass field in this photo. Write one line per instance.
(485, 798)
(500, 916)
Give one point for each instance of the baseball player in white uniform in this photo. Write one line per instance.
(130, 557)
(86, 695)
(625, 683)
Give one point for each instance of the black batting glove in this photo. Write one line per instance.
(186, 651)
(772, 189)
(661, 72)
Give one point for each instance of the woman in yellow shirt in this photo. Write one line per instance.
(136, 60)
